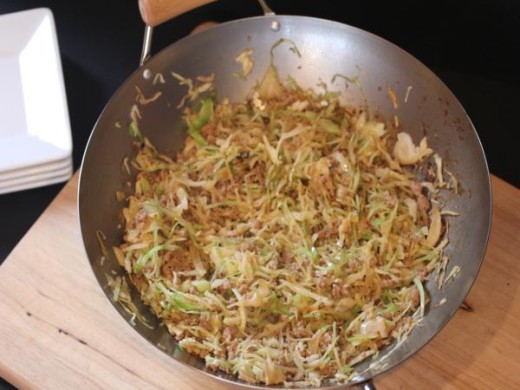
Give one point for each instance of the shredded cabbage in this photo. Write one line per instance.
(289, 239)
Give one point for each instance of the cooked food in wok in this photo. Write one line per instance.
(291, 237)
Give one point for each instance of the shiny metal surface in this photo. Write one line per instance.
(265, 7)
(147, 45)
(327, 48)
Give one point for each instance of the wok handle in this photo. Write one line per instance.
(155, 12)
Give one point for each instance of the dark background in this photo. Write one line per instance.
(473, 46)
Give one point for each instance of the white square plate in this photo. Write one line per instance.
(34, 172)
(35, 169)
(60, 172)
(34, 125)
(36, 184)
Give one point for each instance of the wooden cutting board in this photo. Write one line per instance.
(59, 331)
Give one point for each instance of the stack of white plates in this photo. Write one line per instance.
(35, 134)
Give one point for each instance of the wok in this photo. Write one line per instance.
(425, 107)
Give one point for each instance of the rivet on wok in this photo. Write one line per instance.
(275, 25)
(147, 74)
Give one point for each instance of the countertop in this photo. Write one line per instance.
(61, 332)
(472, 46)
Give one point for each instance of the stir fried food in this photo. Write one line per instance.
(290, 237)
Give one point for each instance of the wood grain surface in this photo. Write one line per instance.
(59, 331)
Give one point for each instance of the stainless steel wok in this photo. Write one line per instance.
(327, 48)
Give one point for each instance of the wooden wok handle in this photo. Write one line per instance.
(155, 12)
